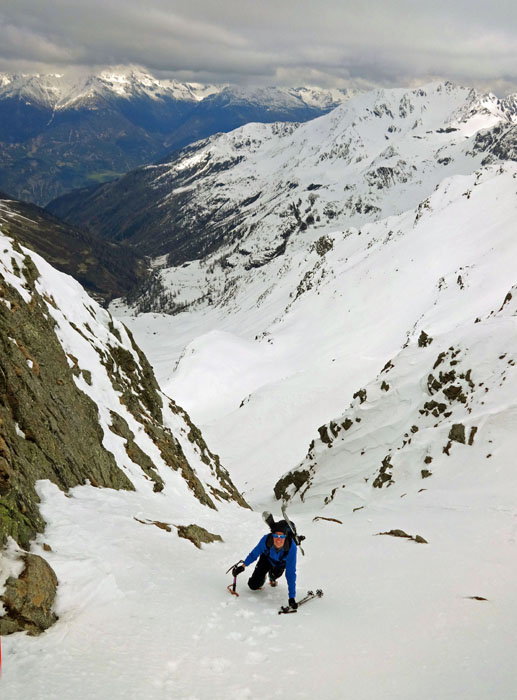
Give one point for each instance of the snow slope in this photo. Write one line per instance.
(144, 614)
(295, 343)
(284, 353)
(452, 383)
(399, 619)
(281, 355)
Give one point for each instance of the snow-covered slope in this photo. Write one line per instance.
(279, 98)
(271, 342)
(373, 309)
(442, 407)
(397, 339)
(297, 338)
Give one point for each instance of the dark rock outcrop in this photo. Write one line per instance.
(49, 429)
(295, 478)
(197, 534)
(401, 533)
(28, 599)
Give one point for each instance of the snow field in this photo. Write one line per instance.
(261, 377)
(144, 614)
(399, 619)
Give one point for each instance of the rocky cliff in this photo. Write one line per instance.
(79, 404)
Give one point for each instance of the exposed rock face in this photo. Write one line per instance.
(28, 599)
(49, 429)
(457, 433)
(295, 478)
(79, 404)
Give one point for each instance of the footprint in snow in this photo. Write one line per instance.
(264, 630)
(217, 665)
(235, 636)
(255, 657)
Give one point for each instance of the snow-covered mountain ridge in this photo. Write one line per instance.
(59, 133)
(62, 92)
(378, 361)
(243, 196)
(309, 321)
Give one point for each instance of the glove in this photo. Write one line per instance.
(238, 570)
(293, 604)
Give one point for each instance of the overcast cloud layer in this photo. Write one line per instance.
(339, 43)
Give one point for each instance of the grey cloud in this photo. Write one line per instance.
(385, 42)
(20, 42)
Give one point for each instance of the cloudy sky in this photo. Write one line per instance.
(270, 42)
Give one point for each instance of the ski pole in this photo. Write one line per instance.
(310, 596)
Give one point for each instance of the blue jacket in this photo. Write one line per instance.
(277, 557)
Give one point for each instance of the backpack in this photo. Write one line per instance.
(290, 530)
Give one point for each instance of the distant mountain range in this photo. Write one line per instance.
(58, 134)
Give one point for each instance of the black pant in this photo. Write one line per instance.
(264, 566)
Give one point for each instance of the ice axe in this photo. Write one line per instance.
(233, 586)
